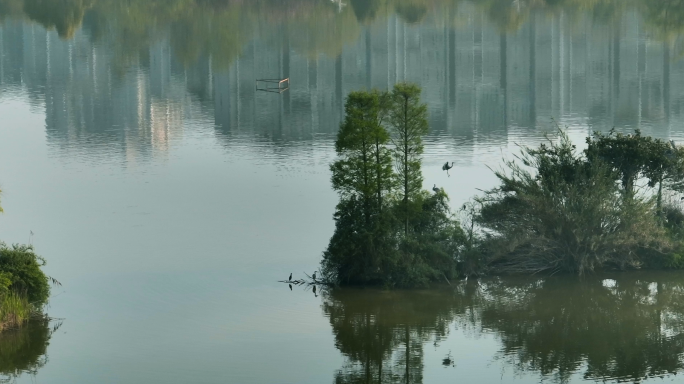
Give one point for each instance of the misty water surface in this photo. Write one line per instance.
(169, 195)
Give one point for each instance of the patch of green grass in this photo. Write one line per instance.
(15, 310)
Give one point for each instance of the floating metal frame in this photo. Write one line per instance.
(266, 85)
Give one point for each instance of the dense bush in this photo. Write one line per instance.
(358, 253)
(5, 283)
(431, 252)
(560, 210)
(22, 266)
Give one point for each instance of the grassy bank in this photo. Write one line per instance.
(24, 288)
(15, 311)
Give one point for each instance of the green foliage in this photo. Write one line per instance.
(23, 266)
(15, 310)
(555, 210)
(363, 169)
(672, 219)
(408, 124)
(429, 253)
(358, 253)
(387, 230)
(634, 156)
(5, 283)
(362, 176)
(571, 214)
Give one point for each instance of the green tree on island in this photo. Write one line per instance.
(362, 176)
(24, 287)
(388, 230)
(408, 124)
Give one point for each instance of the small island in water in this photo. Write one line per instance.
(24, 287)
(615, 205)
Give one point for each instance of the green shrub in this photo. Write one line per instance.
(673, 260)
(569, 215)
(430, 251)
(5, 283)
(22, 266)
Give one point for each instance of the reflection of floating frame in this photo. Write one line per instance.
(273, 85)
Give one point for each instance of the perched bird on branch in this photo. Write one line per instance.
(314, 277)
(434, 188)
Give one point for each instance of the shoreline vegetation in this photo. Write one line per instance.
(24, 287)
(615, 205)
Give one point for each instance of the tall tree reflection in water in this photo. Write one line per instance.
(24, 351)
(382, 334)
(625, 327)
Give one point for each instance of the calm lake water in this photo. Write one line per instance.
(169, 195)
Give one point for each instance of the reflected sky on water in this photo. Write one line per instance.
(169, 195)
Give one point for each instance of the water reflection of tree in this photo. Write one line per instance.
(10, 8)
(410, 11)
(365, 10)
(24, 350)
(382, 334)
(553, 326)
(63, 15)
(664, 18)
(221, 28)
(626, 329)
